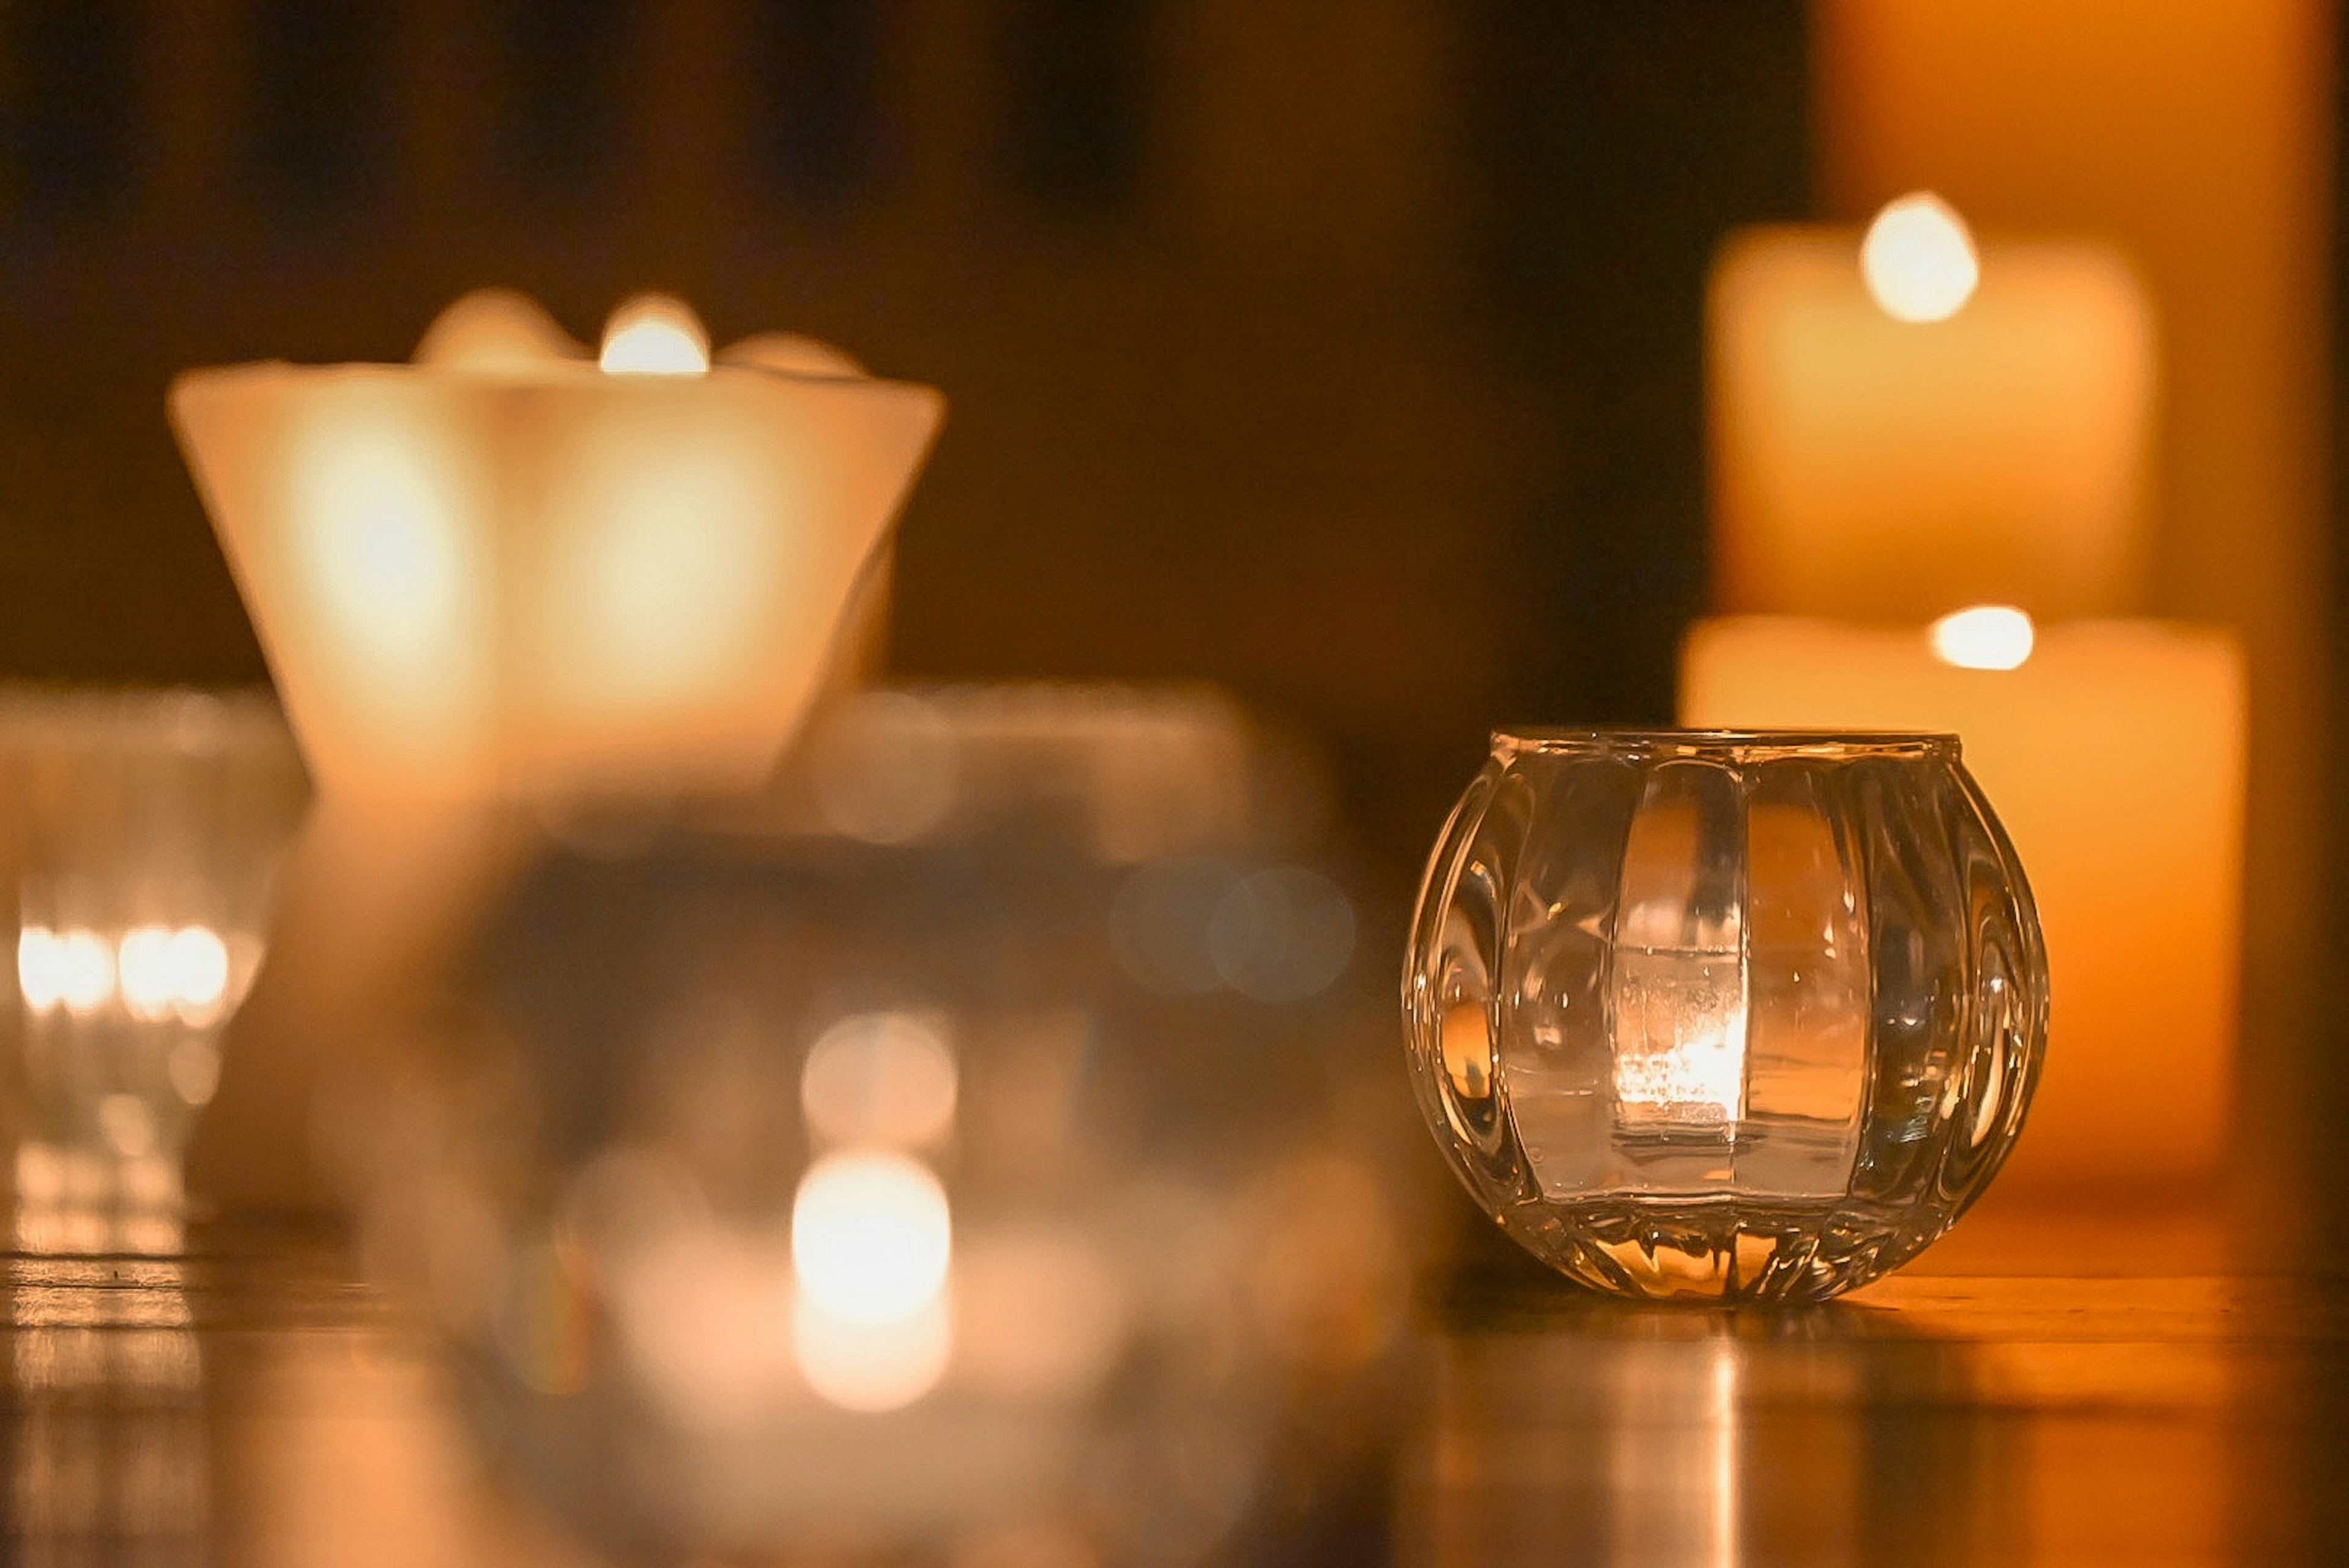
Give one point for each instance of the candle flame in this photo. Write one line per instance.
(1987, 637)
(1918, 259)
(72, 969)
(161, 971)
(871, 1236)
(654, 335)
(1681, 1034)
(872, 1367)
(871, 1244)
(154, 971)
(495, 329)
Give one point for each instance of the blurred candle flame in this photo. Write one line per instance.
(163, 970)
(157, 971)
(1698, 1074)
(870, 1236)
(1918, 259)
(654, 335)
(872, 1367)
(495, 329)
(73, 969)
(1987, 637)
(879, 1078)
(871, 1242)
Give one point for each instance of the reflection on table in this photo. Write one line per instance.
(248, 1402)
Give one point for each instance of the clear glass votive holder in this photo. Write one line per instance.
(972, 1161)
(1723, 1015)
(143, 832)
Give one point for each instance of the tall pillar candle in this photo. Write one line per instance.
(1869, 467)
(2114, 754)
(2198, 133)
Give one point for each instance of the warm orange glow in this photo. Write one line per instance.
(72, 969)
(381, 538)
(654, 335)
(790, 354)
(2114, 758)
(872, 1367)
(193, 1066)
(871, 1242)
(128, 1123)
(165, 971)
(1041, 1313)
(871, 1237)
(702, 1308)
(548, 580)
(1987, 637)
(493, 330)
(1918, 259)
(661, 598)
(1677, 997)
(1673, 1070)
(879, 1078)
(1867, 469)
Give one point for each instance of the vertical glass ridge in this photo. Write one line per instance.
(1559, 1029)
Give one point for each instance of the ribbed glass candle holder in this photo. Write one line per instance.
(1724, 1015)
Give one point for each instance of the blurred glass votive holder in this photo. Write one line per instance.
(143, 828)
(842, 1168)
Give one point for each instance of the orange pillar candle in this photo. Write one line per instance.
(2199, 134)
(1869, 466)
(2113, 752)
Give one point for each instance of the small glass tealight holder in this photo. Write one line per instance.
(143, 829)
(1724, 1015)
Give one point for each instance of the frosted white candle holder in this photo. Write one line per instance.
(507, 570)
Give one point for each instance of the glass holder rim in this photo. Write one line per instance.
(1723, 744)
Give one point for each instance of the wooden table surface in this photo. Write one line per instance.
(248, 1402)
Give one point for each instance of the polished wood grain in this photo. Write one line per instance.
(2010, 1418)
(248, 1401)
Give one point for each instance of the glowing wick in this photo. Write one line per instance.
(1918, 259)
(1987, 637)
(654, 335)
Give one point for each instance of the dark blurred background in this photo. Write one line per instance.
(1346, 352)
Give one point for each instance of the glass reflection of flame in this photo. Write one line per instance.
(879, 1078)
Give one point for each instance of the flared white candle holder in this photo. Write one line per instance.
(509, 571)
(1724, 1015)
